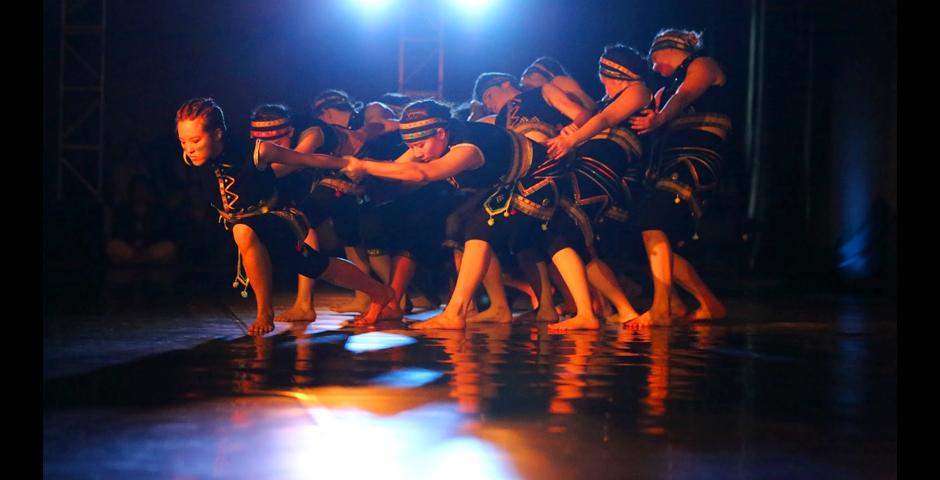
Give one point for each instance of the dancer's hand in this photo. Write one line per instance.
(354, 168)
(647, 121)
(558, 146)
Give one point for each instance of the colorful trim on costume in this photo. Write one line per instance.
(421, 129)
(582, 221)
(623, 137)
(535, 126)
(533, 209)
(522, 157)
(671, 41)
(271, 129)
(683, 192)
(612, 69)
(330, 101)
(715, 123)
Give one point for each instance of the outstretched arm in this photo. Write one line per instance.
(625, 105)
(458, 159)
(266, 153)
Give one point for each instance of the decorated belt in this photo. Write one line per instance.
(617, 214)
(296, 220)
(260, 208)
(533, 209)
(343, 186)
(683, 192)
(716, 123)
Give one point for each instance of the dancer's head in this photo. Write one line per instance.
(271, 122)
(334, 107)
(494, 89)
(671, 47)
(619, 66)
(540, 72)
(200, 126)
(423, 128)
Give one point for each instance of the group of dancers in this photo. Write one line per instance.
(536, 173)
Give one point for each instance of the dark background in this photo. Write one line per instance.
(811, 188)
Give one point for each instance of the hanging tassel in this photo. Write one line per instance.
(241, 277)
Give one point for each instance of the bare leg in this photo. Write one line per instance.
(536, 272)
(660, 257)
(303, 309)
(572, 271)
(403, 272)
(686, 276)
(344, 274)
(257, 264)
(677, 307)
(522, 286)
(382, 266)
(401, 276)
(458, 258)
(360, 303)
(475, 258)
(568, 306)
(499, 310)
(602, 278)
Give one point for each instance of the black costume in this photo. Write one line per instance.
(243, 195)
(333, 195)
(685, 163)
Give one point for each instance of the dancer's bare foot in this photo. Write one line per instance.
(708, 312)
(677, 307)
(297, 313)
(648, 318)
(565, 309)
(264, 323)
(441, 321)
(360, 304)
(387, 310)
(546, 313)
(578, 322)
(492, 314)
(623, 318)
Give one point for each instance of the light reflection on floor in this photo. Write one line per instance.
(791, 390)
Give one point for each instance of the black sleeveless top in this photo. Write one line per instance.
(507, 155)
(712, 100)
(234, 185)
(529, 111)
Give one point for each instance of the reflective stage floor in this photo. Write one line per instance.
(786, 387)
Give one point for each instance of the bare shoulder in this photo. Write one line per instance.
(707, 66)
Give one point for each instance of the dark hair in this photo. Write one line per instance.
(333, 98)
(548, 63)
(462, 111)
(425, 108)
(491, 79)
(270, 111)
(629, 57)
(395, 99)
(204, 109)
(686, 40)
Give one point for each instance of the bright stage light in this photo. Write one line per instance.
(371, 5)
(472, 6)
